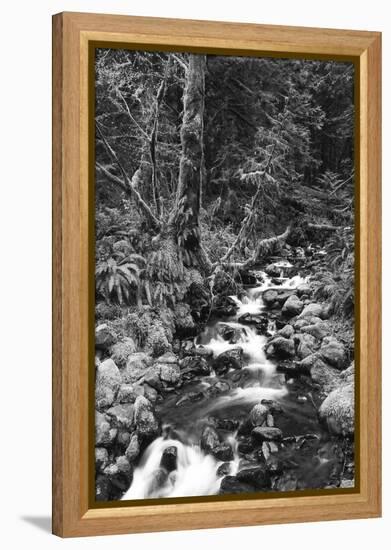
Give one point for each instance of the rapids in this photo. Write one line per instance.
(196, 473)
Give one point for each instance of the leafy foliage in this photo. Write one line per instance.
(337, 286)
(277, 129)
(115, 280)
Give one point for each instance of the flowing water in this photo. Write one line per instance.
(196, 473)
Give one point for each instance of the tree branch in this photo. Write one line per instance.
(247, 220)
(127, 185)
(261, 248)
(323, 227)
(180, 62)
(144, 133)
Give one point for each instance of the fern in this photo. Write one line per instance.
(117, 277)
(337, 286)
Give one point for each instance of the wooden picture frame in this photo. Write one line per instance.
(72, 219)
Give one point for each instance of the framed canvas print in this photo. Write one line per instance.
(216, 351)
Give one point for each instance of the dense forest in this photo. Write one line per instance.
(224, 274)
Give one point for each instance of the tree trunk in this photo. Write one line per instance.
(184, 218)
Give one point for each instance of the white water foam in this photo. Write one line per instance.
(250, 395)
(284, 283)
(195, 474)
(251, 343)
(248, 304)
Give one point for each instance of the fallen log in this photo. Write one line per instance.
(262, 248)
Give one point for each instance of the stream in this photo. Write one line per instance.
(226, 400)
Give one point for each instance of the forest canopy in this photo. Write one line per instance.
(269, 143)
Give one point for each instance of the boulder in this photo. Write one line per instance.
(261, 322)
(306, 345)
(168, 358)
(273, 406)
(105, 337)
(121, 416)
(193, 366)
(128, 393)
(312, 310)
(292, 369)
(232, 485)
(209, 439)
(281, 347)
(269, 298)
(136, 366)
(264, 433)
(286, 332)
(227, 424)
(231, 334)
(333, 352)
(123, 438)
(144, 418)
(133, 449)
(323, 374)
(247, 277)
(272, 270)
(337, 410)
(230, 359)
(245, 446)
(303, 290)
(152, 379)
(169, 458)
(120, 476)
(123, 465)
(121, 351)
(293, 306)
(159, 339)
(318, 330)
(224, 306)
(104, 433)
(102, 488)
(283, 295)
(224, 469)
(107, 383)
(258, 477)
(170, 373)
(150, 393)
(347, 375)
(101, 458)
(258, 414)
(300, 323)
(223, 452)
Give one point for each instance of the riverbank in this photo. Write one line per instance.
(249, 391)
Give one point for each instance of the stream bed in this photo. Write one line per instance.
(296, 453)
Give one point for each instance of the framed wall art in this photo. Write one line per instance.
(216, 215)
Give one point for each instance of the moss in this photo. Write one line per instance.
(121, 351)
(105, 311)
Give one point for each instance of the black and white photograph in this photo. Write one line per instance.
(224, 275)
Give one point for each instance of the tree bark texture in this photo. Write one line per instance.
(185, 215)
